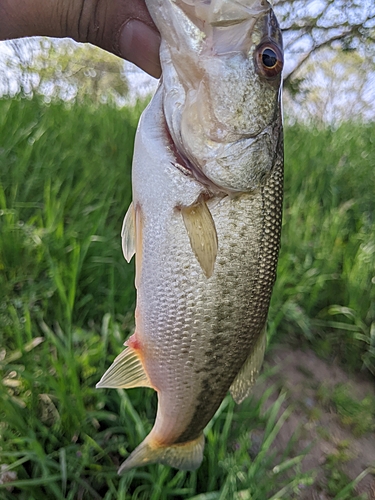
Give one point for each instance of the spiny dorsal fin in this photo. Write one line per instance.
(128, 234)
(125, 372)
(201, 229)
(243, 383)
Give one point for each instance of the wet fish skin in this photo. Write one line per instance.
(203, 158)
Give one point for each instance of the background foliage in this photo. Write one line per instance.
(61, 69)
(67, 295)
(67, 303)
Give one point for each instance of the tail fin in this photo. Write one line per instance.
(184, 456)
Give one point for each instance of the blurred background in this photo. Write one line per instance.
(68, 115)
(328, 75)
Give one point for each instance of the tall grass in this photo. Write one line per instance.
(67, 300)
(65, 184)
(326, 276)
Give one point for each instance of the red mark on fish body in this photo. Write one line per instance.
(133, 342)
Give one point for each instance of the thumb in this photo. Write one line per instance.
(123, 27)
(139, 44)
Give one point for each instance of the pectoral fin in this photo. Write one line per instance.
(201, 229)
(128, 234)
(125, 372)
(243, 383)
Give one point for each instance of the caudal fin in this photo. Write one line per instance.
(184, 456)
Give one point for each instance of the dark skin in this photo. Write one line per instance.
(122, 27)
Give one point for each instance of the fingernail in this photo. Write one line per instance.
(140, 44)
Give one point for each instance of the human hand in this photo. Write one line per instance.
(123, 27)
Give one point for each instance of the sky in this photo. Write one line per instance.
(141, 84)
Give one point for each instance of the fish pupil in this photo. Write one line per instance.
(269, 58)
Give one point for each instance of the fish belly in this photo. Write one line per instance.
(196, 333)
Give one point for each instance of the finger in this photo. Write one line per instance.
(123, 27)
(139, 44)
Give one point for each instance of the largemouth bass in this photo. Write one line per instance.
(205, 219)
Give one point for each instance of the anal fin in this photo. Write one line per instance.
(245, 380)
(125, 372)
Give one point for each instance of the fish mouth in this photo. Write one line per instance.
(224, 26)
(221, 13)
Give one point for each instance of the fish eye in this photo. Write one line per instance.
(269, 60)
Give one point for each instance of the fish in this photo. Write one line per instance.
(205, 220)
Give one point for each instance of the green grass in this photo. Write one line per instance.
(326, 276)
(67, 303)
(358, 415)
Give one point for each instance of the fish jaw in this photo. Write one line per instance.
(216, 101)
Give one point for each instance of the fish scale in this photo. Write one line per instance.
(205, 220)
